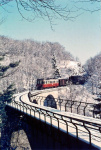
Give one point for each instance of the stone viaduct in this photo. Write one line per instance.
(47, 97)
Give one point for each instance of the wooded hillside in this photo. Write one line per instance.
(35, 60)
(93, 69)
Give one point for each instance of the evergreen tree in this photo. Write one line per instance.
(56, 70)
(5, 96)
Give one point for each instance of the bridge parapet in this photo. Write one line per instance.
(67, 105)
(83, 128)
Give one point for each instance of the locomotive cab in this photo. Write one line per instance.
(77, 79)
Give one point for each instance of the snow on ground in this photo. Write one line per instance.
(76, 93)
(79, 95)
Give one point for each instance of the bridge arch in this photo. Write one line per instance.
(50, 102)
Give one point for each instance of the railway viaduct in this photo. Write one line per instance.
(25, 132)
(40, 127)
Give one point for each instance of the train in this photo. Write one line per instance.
(53, 83)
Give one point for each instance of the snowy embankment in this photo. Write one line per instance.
(76, 93)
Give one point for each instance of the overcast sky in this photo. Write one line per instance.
(80, 36)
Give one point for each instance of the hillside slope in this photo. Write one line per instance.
(35, 60)
(93, 69)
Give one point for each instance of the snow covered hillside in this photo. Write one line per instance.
(68, 68)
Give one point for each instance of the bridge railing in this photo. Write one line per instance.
(78, 107)
(79, 126)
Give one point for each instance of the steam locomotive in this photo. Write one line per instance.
(52, 83)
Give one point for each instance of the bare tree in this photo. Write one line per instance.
(95, 5)
(49, 9)
(93, 69)
(46, 9)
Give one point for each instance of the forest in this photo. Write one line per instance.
(35, 61)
